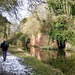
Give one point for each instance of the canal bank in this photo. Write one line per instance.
(37, 66)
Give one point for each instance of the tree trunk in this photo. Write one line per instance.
(5, 34)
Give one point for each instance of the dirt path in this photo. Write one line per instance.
(13, 66)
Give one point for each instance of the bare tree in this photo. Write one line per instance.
(13, 6)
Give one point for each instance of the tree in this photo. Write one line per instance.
(3, 24)
(63, 32)
(13, 7)
(7, 4)
(62, 6)
(34, 3)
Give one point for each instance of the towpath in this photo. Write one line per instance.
(13, 66)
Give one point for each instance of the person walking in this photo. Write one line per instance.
(4, 46)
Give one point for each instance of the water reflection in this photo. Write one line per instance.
(61, 54)
(46, 55)
(43, 55)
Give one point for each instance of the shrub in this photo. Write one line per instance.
(12, 41)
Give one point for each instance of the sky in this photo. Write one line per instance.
(24, 13)
(21, 13)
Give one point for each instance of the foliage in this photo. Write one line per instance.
(58, 35)
(12, 41)
(56, 6)
(8, 4)
(73, 11)
(24, 39)
(24, 20)
(61, 31)
(62, 19)
(62, 6)
(3, 20)
(3, 24)
(19, 34)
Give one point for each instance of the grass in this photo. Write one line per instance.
(39, 67)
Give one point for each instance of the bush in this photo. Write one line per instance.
(19, 34)
(62, 19)
(25, 40)
(12, 41)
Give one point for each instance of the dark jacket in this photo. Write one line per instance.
(2, 46)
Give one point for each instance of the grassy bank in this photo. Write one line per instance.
(39, 68)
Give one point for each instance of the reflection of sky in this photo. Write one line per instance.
(22, 12)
